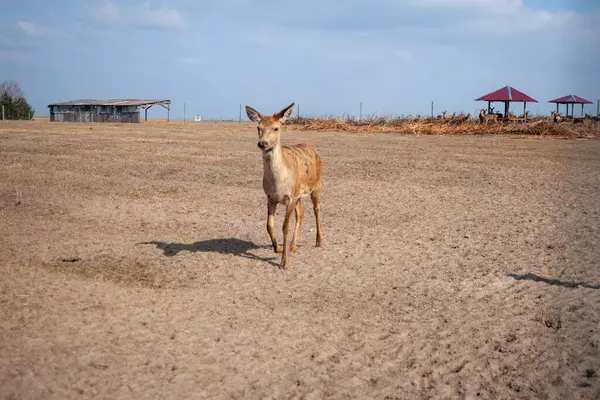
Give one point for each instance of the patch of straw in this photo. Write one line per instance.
(581, 128)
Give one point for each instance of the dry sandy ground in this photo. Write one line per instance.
(137, 265)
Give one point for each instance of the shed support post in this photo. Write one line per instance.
(557, 108)
(525, 110)
(168, 112)
(582, 109)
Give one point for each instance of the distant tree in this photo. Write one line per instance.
(12, 88)
(14, 102)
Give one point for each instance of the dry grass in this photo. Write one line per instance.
(588, 128)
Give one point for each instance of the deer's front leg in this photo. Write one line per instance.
(299, 217)
(271, 225)
(290, 207)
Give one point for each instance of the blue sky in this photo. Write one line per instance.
(328, 56)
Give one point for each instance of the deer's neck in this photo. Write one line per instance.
(275, 170)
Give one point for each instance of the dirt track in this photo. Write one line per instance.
(137, 265)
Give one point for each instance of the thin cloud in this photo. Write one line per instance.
(499, 7)
(190, 60)
(141, 15)
(28, 27)
(403, 55)
(13, 56)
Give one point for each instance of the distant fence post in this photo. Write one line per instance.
(3, 112)
(240, 113)
(597, 111)
(360, 115)
(432, 109)
(184, 113)
(298, 110)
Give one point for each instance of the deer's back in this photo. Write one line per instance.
(305, 163)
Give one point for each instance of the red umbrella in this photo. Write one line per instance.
(506, 95)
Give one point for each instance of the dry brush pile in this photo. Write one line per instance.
(582, 128)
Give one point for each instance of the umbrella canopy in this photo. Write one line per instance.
(570, 99)
(507, 93)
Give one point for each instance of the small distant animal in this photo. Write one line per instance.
(556, 117)
(485, 118)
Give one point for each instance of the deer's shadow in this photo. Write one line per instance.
(553, 282)
(233, 246)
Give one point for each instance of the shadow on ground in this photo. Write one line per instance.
(553, 282)
(233, 246)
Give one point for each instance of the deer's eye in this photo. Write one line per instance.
(276, 129)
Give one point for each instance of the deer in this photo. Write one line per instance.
(512, 117)
(290, 173)
(556, 117)
(483, 117)
(525, 115)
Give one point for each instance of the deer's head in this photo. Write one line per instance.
(269, 126)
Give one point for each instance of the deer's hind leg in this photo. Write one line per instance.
(315, 196)
(299, 218)
(272, 207)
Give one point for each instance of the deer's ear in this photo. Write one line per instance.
(284, 114)
(253, 115)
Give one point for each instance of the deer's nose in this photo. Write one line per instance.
(262, 144)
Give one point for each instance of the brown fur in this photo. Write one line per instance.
(556, 117)
(483, 117)
(290, 173)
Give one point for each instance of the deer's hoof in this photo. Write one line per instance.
(278, 249)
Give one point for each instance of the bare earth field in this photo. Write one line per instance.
(135, 263)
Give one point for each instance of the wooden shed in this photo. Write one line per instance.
(123, 110)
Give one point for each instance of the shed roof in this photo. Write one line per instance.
(570, 99)
(113, 102)
(507, 93)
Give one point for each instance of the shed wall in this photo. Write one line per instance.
(94, 113)
(93, 117)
